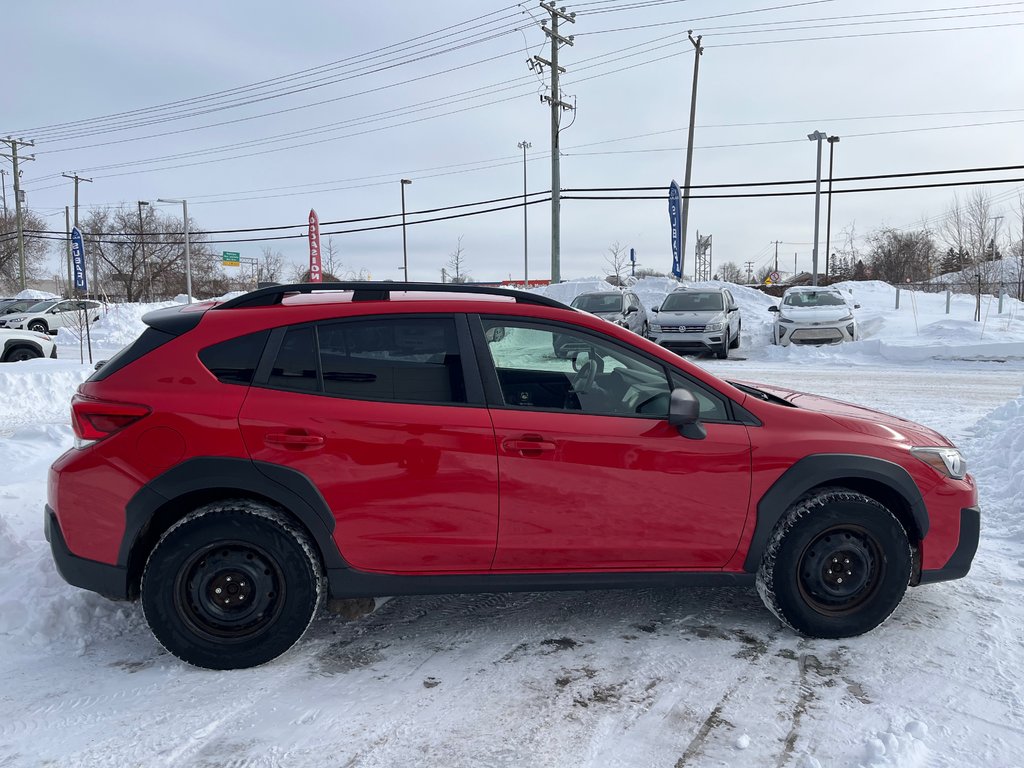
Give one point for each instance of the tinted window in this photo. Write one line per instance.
(234, 361)
(393, 359)
(42, 306)
(295, 364)
(813, 299)
(692, 301)
(599, 302)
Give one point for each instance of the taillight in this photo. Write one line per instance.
(94, 420)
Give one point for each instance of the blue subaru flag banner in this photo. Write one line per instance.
(78, 260)
(675, 213)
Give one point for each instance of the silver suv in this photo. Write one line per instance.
(705, 320)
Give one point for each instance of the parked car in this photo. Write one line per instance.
(10, 306)
(16, 346)
(620, 307)
(242, 461)
(698, 321)
(50, 315)
(813, 315)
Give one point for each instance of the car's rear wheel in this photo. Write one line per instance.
(234, 584)
(837, 565)
(736, 342)
(20, 354)
(39, 326)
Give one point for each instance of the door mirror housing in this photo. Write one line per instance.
(684, 414)
(631, 310)
(655, 309)
(773, 308)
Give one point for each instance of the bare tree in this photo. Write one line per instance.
(331, 258)
(270, 267)
(617, 259)
(35, 249)
(899, 257)
(730, 272)
(457, 264)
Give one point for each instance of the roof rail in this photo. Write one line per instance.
(379, 291)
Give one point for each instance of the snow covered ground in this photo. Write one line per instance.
(605, 678)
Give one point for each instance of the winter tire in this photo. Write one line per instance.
(20, 354)
(837, 565)
(39, 326)
(723, 351)
(735, 344)
(234, 584)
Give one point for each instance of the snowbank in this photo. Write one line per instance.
(998, 456)
(29, 293)
(119, 325)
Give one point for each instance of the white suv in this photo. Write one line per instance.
(47, 316)
(810, 314)
(698, 320)
(16, 346)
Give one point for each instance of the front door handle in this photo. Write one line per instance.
(528, 445)
(294, 440)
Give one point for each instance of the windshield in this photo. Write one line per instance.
(813, 299)
(693, 301)
(599, 302)
(42, 306)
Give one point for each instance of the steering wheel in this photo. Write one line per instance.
(586, 375)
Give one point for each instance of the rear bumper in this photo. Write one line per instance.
(108, 580)
(959, 562)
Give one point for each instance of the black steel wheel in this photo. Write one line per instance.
(20, 354)
(837, 565)
(232, 585)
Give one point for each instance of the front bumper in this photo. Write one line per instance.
(815, 333)
(959, 562)
(690, 342)
(109, 580)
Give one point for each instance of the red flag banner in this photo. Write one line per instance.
(315, 270)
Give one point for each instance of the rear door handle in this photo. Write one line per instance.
(294, 440)
(528, 445)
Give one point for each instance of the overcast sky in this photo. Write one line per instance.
(899, 102)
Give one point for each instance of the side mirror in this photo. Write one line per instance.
(733, 309)
(655, 310)
(856, 306)
(773, 308)
(684, 414)
(631, 310)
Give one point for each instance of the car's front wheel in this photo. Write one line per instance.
(20, 354)
(234, 584)
(39, 326)
(837, 565)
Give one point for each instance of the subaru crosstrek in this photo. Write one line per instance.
(242, 461)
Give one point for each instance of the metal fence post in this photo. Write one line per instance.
(949, 297)
(897, 297)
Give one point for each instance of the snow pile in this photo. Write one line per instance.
(29, 293)
(118, 326)
(570, 289)
(38, 392)
(998, 455)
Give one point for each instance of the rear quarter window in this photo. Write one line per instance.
(234, 361)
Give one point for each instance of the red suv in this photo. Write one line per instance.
(241, 461)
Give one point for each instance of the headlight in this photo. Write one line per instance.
(15, 319)
(713, 327)
(945, 461)
(656, 328)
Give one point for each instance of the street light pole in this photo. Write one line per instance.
(142, 244)
(832, 141)
(188, 257)
(405, 248)
(819, 137)
(525, 145)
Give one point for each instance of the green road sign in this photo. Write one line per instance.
(230, 259)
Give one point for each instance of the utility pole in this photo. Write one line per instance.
(525, 145)
(405, 247)
(750, 271)
(776, 255)
(71, 274)
(95, 262)
(142, 244)
(819, 137)
(832, 141)
(3, 188)
(697, 51)
(18, 195)
(557, 107)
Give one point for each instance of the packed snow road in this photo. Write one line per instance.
(607, 678)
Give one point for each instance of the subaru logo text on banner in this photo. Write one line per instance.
(315, 272)
(676, 222)
(78, 260)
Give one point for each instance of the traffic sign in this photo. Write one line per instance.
(774, 276)
(230, 259)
